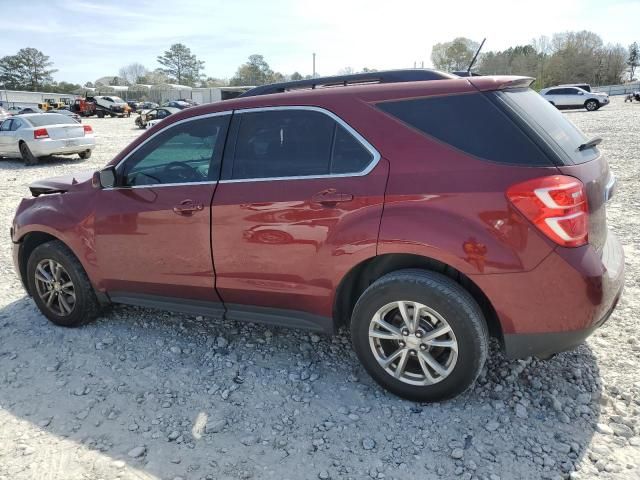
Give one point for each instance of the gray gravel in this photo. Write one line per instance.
(143, 394)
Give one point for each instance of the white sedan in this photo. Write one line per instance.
(41, 134)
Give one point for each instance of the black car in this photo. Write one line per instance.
(146, 116)
(181, 104)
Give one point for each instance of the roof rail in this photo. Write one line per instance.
(386, 76)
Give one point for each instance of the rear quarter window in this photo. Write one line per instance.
(471, 123)
(547, 123)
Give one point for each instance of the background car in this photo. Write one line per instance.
(180, 104)
(68, 113)
(574, 97)
(30, 110)
(148, 118)
(41, 134)
(147, 105)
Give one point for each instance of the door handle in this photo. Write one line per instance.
(331, 196)
(187, 207)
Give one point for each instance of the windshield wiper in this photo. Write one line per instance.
(590, 144)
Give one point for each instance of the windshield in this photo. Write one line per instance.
(50, 119)
(554, 127)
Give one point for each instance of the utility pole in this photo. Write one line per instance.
(314, 65)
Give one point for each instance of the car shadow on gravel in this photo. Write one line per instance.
(147, 394)
(43, 162)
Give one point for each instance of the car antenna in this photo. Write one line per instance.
(475, 57)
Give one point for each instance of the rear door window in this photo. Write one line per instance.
(471, 123)
(293, 143)
(548, 123)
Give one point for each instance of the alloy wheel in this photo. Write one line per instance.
(413, 343)
(55, 287)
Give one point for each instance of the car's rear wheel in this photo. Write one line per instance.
(85, 155)
(28, 157)
(592, 105)
(59, 285)
(420, 335)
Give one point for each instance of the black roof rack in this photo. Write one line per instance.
(387, 76)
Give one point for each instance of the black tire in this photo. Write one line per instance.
(100, 114)
(28, 157)
(86, 306)
(444, 296)
(592, 105)
(85, 155)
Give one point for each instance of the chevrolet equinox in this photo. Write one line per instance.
(422, 211)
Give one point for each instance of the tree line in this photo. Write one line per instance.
(569, 57)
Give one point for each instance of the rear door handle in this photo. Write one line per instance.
(331, 196)
(187, 207)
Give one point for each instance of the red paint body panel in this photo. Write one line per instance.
(274, 247)
(145, 247)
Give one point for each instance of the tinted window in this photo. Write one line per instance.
(6, 125)
(553, 127)
(283, 143)
(349, 155)
(50, 119)
(185, 153)
(16, 124)
(471, 123)
(554, 91)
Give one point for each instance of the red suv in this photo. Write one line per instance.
(423, 211)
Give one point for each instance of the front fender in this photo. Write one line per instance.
(68, 217)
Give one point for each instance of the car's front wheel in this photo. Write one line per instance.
(60, 286)
(85, 155)
(420, 335)
(592, 105)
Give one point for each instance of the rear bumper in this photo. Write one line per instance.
(61, 147)
(557, 305)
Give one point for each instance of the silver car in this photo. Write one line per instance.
(41, 134)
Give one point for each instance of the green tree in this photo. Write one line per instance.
(454, 55)
(181, 65)
(633, 60)
(296, 76)
(28, 69)
(255, 72)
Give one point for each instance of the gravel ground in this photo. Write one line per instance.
(152, 395)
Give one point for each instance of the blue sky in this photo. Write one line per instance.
(88, 39)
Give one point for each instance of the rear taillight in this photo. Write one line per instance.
(557, 205)
(40, 133)
(87, 129)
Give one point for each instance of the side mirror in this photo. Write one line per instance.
(580, 93)
(105, 178)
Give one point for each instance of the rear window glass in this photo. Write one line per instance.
(50, 119)
(471, 123)
(547, 121)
